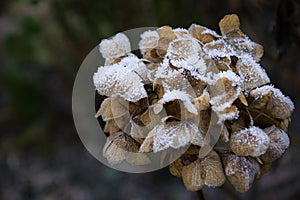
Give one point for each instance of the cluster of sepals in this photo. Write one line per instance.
(165, 100)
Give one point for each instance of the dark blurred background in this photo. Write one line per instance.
(42, 44)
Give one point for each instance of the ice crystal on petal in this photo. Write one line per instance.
(182, 96)
(119, 80)
(183, 49)
(224, 90)
(218, 48)
(149, 40)
(115, 47)
(171, 134)
(277, 105)
(241, 171)
(252, 141)
(252, 74)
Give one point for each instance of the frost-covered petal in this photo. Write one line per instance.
(166, 35)
(276, 104)
(202, 33)
(171, 134)
(279, 143)
(192, 176)
(252, 74)
(148, 45)
(224, 90)
(182, 96)
(183, 49)
(119, 80)
(115, 47)
(240, 171)
(252, 141)
(212, 170)
(228, 113)
(218, 49)
(149, 40)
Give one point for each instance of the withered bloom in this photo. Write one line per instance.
(166, 100)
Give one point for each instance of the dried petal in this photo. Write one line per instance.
(148, 45)
(117, 147)
(172, 134)
(185, 98)
(277, 106)
(212, 170)
(229, 23)
(111, 127)
(202, 33)
(202, 102)
(118, 80)
(112, 107)
(252, 141)
(241, 171)
(166, 35)
(115, 47)
(252, 74)
(176, 167)
(191, 176)
(279, 143)
(224, 90)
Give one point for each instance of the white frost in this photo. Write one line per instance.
(115, 47)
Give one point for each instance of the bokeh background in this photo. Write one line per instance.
(42, 44)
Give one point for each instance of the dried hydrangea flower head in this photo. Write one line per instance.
(166, 100)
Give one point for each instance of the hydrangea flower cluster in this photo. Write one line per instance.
(165, 99)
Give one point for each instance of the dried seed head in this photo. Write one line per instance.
(115, 47)
(279, 143)
(252, 141)
(241, 171)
